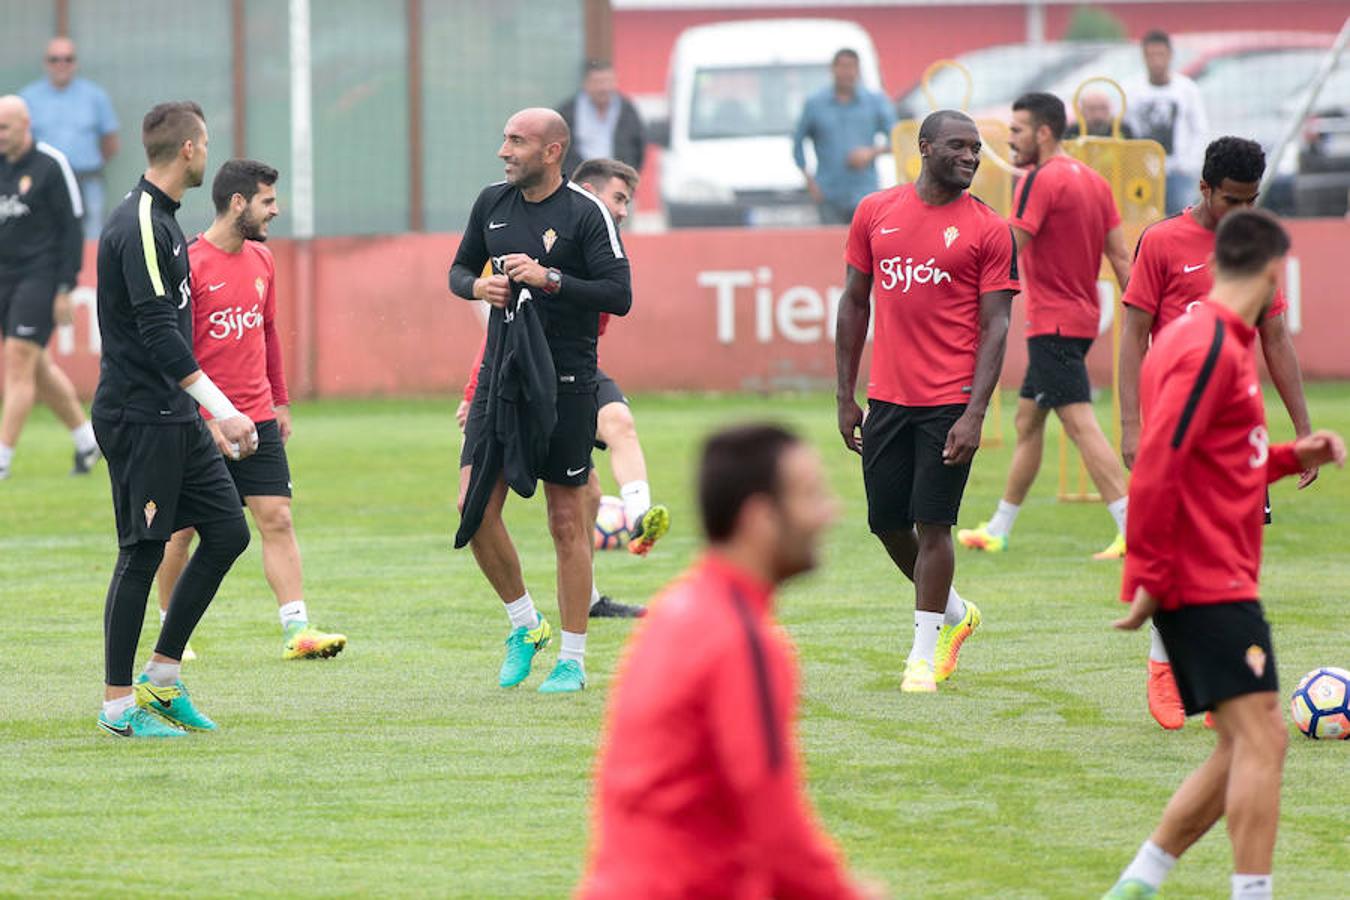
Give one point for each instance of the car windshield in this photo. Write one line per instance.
(752, 101)
(999, 75)
(1241, 85)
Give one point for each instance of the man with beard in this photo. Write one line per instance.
(945, 270)
(1065, 218)
(555, 249)
(234, 308)
(166, 472)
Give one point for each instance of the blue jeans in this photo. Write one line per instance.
(1182, 191)
(91, 192)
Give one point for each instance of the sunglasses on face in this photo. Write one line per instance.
(61, 59)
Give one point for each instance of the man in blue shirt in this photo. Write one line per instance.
(842, 122)
(75, 116)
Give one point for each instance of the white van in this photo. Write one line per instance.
(736, 91)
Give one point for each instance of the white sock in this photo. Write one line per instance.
(926, 628)
(6, 455)
(956, 608)
(83, 436)
(522, 612)
(113, 709)
(163, 614)
(595, 591)
(1253, 887)
(573, 647)
(292, 613)
(1151, 865)
(1002, 522)
(162, 674)
(1156, 651)
(637, 499)
(1117, 511)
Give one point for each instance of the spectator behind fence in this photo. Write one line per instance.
(75, 116)
(605, 124)
(1098, 114)
(1167, 107)
(842, 121)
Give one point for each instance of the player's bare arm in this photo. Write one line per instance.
(283, 421)
(964, 437)
(1133, 345)
(1277, 345)
(1118, 255)
(855, 312)
(62, 311)
(1021, 237)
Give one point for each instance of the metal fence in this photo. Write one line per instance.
(407, 96)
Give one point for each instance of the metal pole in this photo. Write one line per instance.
(1036, 22)
(416, 211)
(238, 79)
(302, 136)
(1296, 123)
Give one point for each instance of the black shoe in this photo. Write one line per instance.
(84, 462)
(608, 608)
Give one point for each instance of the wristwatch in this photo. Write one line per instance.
(552, 281)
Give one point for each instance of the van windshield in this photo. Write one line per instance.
(752, 101)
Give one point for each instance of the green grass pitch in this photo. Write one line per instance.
(399, 768)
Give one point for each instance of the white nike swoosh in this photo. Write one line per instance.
(889, 230)
(493, 226)
(572, 473)
(215, 287)
(25, 329)
(176, 248)
(1189, 269)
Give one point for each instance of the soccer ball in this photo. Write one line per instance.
(611, 525)
(1321, 704)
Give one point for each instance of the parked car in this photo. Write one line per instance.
(999, 75)
(1322, 186)
(736, 90)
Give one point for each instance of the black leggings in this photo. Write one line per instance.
(124, 611)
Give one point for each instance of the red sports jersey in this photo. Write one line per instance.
(929, 266)
(1067, 208)
(1171, 271)
(699, 784)
(234, 334)
(1197, 492)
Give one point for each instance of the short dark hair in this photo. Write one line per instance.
(1234, 158)
(929, 128)
(1156, 36)
(843, 52)
(735, 465)
(602, 170)
(167, 125)
(1046, 109)
(1247, 240)
(240, 176)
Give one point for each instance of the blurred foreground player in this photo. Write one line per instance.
(234, 305)
(1196, 502)
(1171, 274)
(944, 270)
(699, 787)
(166, 471)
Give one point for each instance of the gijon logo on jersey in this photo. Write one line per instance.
(902, 269)
(1260, 441)
(233, 321)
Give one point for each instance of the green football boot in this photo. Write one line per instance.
(521, 646)
(139, 723)
(567, 677)
(171, 703)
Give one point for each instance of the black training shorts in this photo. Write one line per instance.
(569, 448)
(607, 391)
(26, 307)
(1218, 651)
(1057, 371)
(164, 477)
(903, 472)
(266, 473)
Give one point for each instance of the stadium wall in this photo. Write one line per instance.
(738, 309)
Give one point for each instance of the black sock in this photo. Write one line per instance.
(124, 609)
(220, 545)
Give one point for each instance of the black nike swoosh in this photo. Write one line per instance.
(124, 731)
